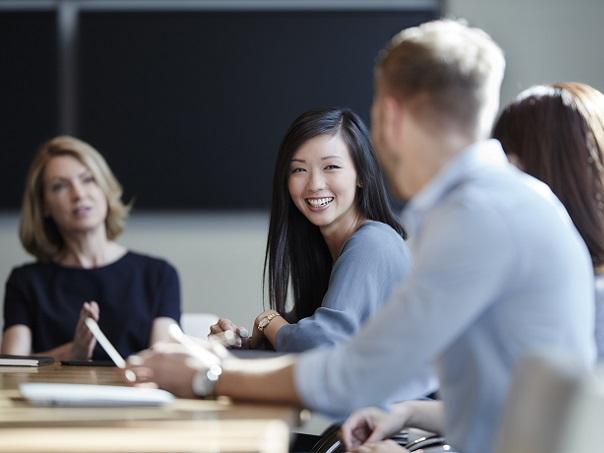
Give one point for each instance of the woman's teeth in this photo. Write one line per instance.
(319, 202)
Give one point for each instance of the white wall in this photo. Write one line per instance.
(544, 40)
(220, 257)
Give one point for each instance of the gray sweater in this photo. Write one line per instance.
(372, 262)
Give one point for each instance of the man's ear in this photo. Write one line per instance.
(392, 116)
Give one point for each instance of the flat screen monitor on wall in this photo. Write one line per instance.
(189, 106)
(28, 98)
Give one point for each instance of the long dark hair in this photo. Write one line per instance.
(296, 252)
(557, 133)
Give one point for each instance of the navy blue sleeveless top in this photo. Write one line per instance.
(131, 293)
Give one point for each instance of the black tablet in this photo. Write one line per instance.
(87, 363)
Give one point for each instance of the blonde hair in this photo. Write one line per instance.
(448, 74)
(38, 233)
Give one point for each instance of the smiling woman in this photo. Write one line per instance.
(332, 236)
(71, 214)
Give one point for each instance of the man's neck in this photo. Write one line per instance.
(433, 150)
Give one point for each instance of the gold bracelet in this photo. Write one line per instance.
(264, 322)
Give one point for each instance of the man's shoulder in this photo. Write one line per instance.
(508, 192)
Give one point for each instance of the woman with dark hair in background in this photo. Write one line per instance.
(332, 235)
(556, 134)
(71, 214)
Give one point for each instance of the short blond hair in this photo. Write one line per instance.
(38, 233)
(447, 72)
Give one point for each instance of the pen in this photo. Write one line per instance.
(105, 343)
(193, 345)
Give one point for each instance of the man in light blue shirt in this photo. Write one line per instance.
(499, 270)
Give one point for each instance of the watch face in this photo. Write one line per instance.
(263, 323)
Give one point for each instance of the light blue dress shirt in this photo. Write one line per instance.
(498, 271)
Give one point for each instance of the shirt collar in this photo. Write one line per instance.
(486, 153)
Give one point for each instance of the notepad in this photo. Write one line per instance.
(25, 360)
(87, 395)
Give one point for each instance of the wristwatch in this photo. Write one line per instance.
(264, 322)
(204, 381)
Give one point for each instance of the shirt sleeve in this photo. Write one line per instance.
(17, 309)
(168, 293)
(458, 244)
(361, 281)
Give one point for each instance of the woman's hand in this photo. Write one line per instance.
(241, 339)
(385, 446)
(83, 340)
(370, 425)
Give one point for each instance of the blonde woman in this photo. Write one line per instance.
(71, 214)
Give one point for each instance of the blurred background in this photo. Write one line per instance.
(188, 101)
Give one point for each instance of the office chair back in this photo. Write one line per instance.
(554, 406)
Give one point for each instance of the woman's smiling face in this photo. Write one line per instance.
(322, 182)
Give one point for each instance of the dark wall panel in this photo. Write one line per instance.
(189, 107)
(28, 102)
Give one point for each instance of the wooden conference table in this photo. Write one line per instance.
(183, 426)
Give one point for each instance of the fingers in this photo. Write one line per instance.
(94, 310)
(357, 428)
(345, 434)
(227, 338)
(223, 325)
(83, 339)
(138, 375)
(242, 332)
(162, 348)
(366, 426)
(369, 448)
(376, 435)
(90, 310)
(82, 333)
(163, 366)
(256, 338)
(239, 338)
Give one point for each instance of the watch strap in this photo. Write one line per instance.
(265, 321)
(205, 380)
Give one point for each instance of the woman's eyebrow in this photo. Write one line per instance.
(331, 157)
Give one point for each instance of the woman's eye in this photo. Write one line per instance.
(296, 170)
(57, 186)
(88, 179)
(332, 167)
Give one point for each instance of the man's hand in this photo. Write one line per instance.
(172, 366)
